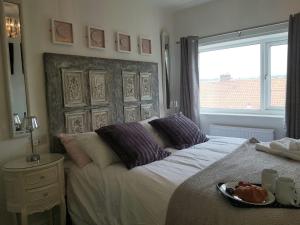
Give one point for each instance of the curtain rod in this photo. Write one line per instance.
(241, 30)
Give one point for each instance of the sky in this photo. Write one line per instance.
(241, 62)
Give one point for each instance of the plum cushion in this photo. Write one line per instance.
(181, 131)
(132, 143)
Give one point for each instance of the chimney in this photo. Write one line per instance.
(225, 77)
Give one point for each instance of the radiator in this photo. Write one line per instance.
(260, 134)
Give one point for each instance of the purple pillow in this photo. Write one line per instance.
(132, 143)
(181, 131)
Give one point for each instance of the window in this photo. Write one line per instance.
(247, 75)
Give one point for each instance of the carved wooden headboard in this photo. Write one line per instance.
(85, 93)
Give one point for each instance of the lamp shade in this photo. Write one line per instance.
(30, 123)
(17, 120)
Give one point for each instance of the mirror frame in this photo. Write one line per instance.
(165, 37)
(6, 66)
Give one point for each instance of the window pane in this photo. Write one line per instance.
(278, 75)
(230, 78)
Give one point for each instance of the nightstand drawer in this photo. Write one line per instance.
(40, 178)
(43, 193)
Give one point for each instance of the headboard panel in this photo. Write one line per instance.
(85, 93)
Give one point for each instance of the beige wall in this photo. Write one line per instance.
(135, 17)
(222, 16)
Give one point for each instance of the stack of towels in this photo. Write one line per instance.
(285, 147)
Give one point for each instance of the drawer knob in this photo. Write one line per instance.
(42, 177)
(45, 194)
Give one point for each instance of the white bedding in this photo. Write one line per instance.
(140, 196)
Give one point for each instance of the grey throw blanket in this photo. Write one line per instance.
(197, 202)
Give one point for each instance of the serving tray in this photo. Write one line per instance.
(242, 204)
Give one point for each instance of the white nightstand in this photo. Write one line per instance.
(35, 187)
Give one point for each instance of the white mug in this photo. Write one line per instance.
(268, 179)
(286, 191)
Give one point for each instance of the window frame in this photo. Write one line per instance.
(265, 42)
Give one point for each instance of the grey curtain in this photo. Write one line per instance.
(293, 79)
(189, 79)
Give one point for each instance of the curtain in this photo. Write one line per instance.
(293, 79)
(189, 79)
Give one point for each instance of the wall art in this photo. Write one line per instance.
(62, 32)
(123, 42)
(145, 46)
(96, 37)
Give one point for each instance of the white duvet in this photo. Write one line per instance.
(140, 196)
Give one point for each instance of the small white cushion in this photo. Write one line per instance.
(79, 157)
(96, 149)
(160, 139)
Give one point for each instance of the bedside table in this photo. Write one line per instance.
(35, 186)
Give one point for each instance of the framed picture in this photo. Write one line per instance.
(99, 90)
(130, 86)
(73, 88)
(131, 113)
(96, 37)
(146, 111)
(145, 46)
(101, 118)
(123, 42)
(146, 86)
(62, 32)
(76, 122)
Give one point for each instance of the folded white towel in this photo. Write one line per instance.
(294, 145)
(286, 144)
(279, 148)
(263, 146)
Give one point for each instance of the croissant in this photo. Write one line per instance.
(251, 193)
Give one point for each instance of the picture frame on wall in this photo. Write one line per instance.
(123, 42)
(62, 32)
(145, 45)
(96, 37)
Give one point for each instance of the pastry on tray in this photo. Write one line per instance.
(250, 192)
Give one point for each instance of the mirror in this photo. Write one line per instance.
(13, 61)
(165, 53)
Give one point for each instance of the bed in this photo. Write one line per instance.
(139, 196)
(178, 190)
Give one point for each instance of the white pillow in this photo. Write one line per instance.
(96, 149)
(159, 138)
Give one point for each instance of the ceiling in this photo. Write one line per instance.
(177, 4)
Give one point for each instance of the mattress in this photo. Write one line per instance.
(140, 196)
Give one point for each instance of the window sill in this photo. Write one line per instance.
(279, 116)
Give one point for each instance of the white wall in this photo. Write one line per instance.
(222, 16)
(135, 17)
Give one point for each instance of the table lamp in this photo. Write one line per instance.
(30, 123)
(17, 122)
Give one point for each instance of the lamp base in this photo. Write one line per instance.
(33, 158)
